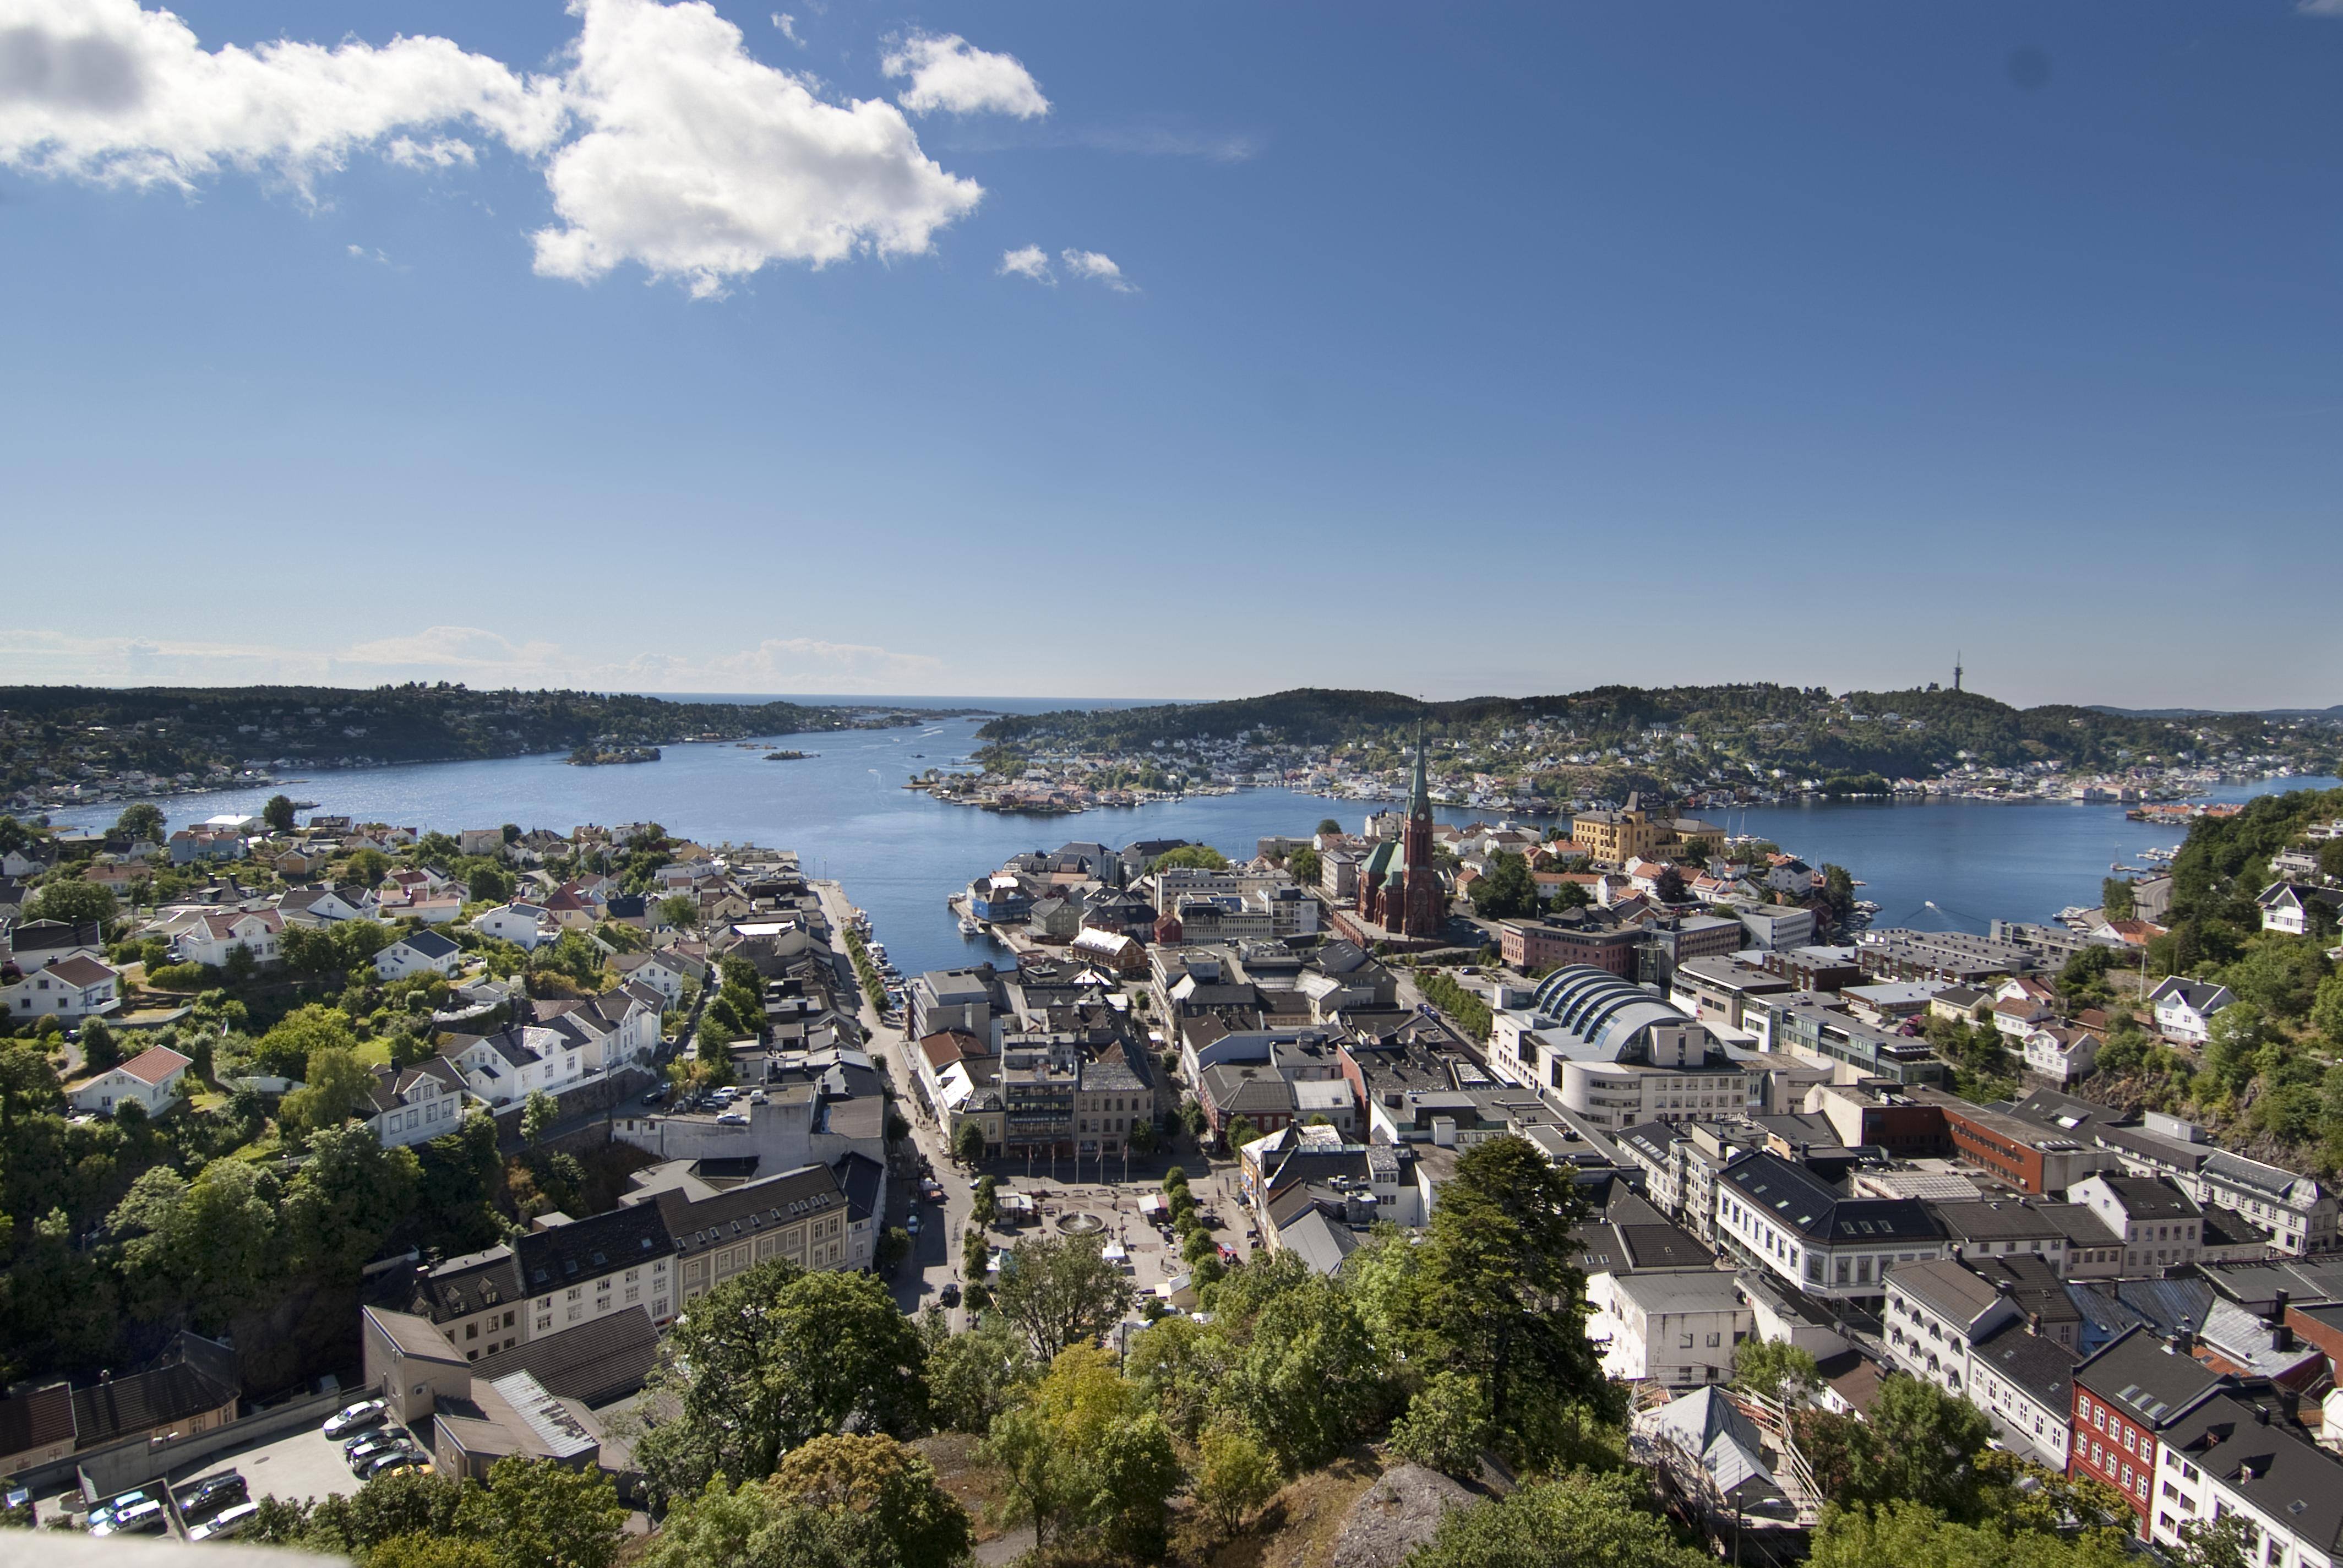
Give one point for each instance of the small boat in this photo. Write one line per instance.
(968, 928)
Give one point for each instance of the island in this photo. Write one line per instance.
(598, 754)
(789, 756)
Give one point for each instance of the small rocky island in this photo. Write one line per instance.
(597, 755)
(789, 756)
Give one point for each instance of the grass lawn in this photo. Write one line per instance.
(374, 1052)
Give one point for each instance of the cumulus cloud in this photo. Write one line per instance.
(102, 90)
(664, 142)
(949, 74)
(1098, 269)
(470, 654)
(789, 26)
(1027, 261)
(702, 164)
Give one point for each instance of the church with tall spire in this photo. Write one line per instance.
(1399, 887)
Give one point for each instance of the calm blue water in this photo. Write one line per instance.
(898, 853)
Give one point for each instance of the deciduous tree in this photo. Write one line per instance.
(1061, 1290)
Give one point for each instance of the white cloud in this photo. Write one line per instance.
(950, 73)
(2320, 7)
(789, 26)
(665, 142)
(1027, 261)
(104, 91)
(442, 152)
(702, 164)
(1098, 269)
(469, 654)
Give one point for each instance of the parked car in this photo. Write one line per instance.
(366, 1452)
(734, 1118)
(949, 1294)
(228, 1523)
(372, 1440)
(911, 1224)
(104, 1511)
(655, 1095)
(352, 1417)
(403, 1456)
(212, 1494)
(147, 1518)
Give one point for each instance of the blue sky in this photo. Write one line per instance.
(1453, 349)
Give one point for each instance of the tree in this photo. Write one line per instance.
(1142, 1137)
(420, 1550)
(894, 1245)
(2116, 898)
(772, 1359)
(74, 901)
(284, 1051)
(986, 1207)
(538, 1115)
(367, 867)
(346, 1200)
(1195, 857)
(975, 1254)
(1919, 1444)
(1445, 1426)
(680, 910)
(489, 885)
(1304, 864)
(1668, 887)
(279, 813)
(971, 1375)
(1908, 1535)
(1502, 1299)
(141, 822)
(207, 1245)
(99, 1050)
(1329, 826)
(1061, 1292)
(1509, 891)
(1086, 1450)
(1776, 1369)
(967, 1143)
(1580, 1519)
(892, 1486)
(1240, 1131)
(1235, 1474)
(335, 1085)
(537, 1513)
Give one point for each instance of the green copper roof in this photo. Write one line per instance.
(1419, 798)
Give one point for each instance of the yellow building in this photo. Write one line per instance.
(1617, 836)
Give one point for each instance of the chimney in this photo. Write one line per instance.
(2289, 1406)
(2261, 1416)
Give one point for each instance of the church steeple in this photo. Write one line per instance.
(1419, 795)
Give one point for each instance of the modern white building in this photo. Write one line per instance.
(1676, 1328)
(2158, 1224)
(1611, 1051)
(1783, 1219)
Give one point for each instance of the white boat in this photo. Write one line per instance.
(968, 928)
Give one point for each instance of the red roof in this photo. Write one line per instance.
(156, 1064)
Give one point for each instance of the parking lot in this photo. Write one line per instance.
(297, 1465)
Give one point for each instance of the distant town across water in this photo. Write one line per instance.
(1934, 865)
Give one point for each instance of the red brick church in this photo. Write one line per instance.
(1399, 889)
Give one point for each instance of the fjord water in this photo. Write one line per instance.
(898, 853)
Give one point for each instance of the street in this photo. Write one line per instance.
(1059, 1190)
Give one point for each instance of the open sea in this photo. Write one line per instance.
(900, 853)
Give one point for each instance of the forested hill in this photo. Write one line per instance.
(172, 730)
(1896, 733)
